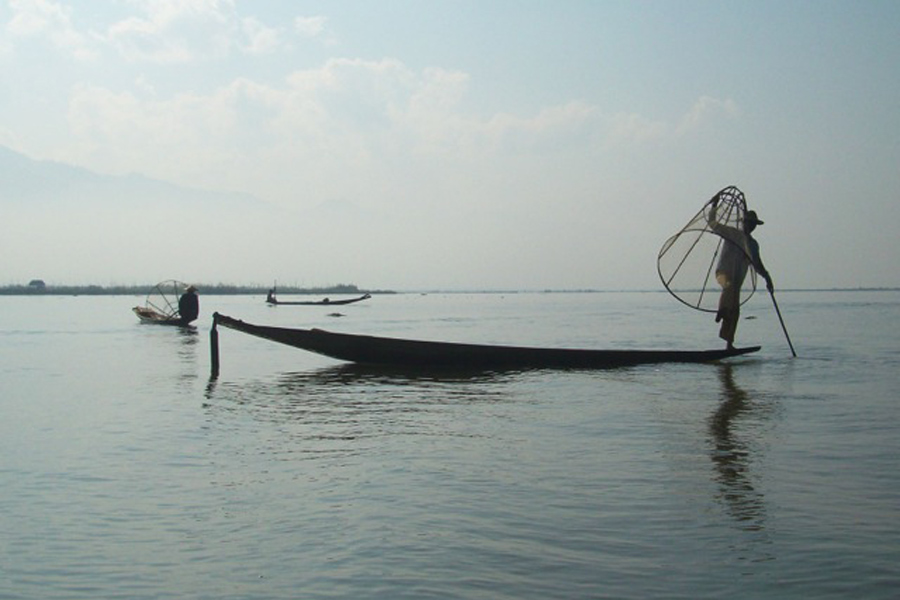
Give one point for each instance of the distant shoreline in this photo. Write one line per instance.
(253, 290)
(142, 290)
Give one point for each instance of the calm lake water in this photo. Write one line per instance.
(127, 473)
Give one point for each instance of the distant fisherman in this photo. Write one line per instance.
(739, 251)
(189, 305)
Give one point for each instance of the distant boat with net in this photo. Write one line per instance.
(161, 304)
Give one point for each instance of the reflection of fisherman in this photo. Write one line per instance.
(732, 455)
(738, 252)
(189, 305)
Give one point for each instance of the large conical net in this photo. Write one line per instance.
(687, 261)
(163, 298)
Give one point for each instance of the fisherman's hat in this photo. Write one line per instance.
(752, 218)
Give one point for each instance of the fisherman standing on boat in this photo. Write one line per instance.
(739, 251)
(189, 305)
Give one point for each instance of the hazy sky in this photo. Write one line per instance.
(461, 144)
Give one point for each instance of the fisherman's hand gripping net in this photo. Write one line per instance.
(687, 261)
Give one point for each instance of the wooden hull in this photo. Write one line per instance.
(325, 302)
(152, 317)
(371, 350)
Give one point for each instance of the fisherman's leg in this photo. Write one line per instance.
(725, 298)
(727, 331)
(729, 326)
(729, 309)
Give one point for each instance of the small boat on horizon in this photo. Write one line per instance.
(274, 301)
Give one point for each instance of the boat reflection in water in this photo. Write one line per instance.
(345, 410)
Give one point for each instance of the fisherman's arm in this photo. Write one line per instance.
(735, 236)
(713, 208)
(759, 266)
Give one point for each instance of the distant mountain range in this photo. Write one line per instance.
(59, 222)
(45, 183)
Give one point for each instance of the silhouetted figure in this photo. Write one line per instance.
(739, 251)
(189, 305)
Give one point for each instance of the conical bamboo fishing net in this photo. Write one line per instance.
(163, 298)
(687, 261)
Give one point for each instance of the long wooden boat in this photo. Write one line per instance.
(271, 299)
(371, 350)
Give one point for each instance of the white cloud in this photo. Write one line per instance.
(345, 114)
(165, 137)
(260, 39)
(172, 31)
(634, 129)
(178, 31)
(310, 26)
(143, 85)
(349, 115)
(315, 28)
(31, 17)
(552, 125)
(35, 18)
(707, 108)
(160, 31)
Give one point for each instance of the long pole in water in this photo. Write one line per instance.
(778, 312)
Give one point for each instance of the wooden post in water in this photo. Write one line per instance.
(214, 347)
